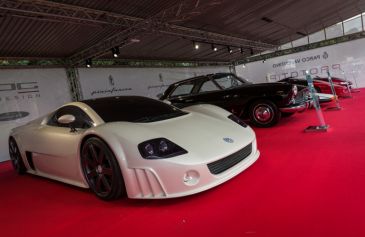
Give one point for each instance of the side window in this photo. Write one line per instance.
(208, 86)
(183, 89)
(228, 81)
(82, 120)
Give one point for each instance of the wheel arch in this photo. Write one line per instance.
(119, 161)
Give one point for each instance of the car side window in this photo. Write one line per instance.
(183, 89)
(82, 120)
(228, 81)
(208, 86)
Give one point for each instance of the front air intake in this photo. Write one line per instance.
(224, 164)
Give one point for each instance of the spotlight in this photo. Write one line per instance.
(214, 48)
(196, 45)
(88, 62)
(115, 52)
(229, 49)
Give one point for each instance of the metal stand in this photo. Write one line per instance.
(347, 85)
(338, 106)
(323, 127)
(357, 87)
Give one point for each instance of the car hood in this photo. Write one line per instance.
(201, 135)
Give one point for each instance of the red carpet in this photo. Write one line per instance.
(302, 185)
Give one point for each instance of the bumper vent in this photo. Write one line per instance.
(224, 164)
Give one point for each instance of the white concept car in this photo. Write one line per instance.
(136, 146)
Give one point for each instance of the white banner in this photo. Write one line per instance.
(102, 82)
(26, 94)
(345, 60)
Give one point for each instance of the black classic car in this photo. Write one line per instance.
(261, 103)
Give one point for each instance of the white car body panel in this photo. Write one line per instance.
(56, 151)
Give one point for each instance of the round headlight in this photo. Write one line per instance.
(149, 149)
(163, 147)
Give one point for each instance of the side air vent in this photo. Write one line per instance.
(30, 159)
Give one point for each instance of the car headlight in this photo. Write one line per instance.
(237, 120)
(160, 148)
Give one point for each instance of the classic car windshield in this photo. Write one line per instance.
(227, 81)
(132, 109)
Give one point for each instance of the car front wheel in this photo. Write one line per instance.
(264, 113)
(16, 157)
(101, 169)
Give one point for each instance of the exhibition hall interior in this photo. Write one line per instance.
(182, 118)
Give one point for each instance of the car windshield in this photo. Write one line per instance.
(227, 81)
(132, 109)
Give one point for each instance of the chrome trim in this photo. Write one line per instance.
(294, 109)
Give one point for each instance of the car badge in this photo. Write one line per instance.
(228, 140)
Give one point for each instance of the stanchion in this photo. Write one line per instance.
(347, 84)
(357, 87)
(337, 107)
(322, 127)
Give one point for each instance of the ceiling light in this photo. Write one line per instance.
(229, 49)
(251, 51)
(115, 52)
(196, 45)
(266, 19)
(301, 33)
(88, 62)
(214, 48)
(134, 40)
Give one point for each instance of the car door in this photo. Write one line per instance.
(209, 92)
(233, 94)
(56, 147)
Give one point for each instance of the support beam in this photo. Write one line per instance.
(64, 12)
(74, 83)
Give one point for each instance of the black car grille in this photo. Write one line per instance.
(224, 164)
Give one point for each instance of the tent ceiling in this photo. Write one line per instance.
(29, 33)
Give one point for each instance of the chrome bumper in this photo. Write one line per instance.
(295, 108)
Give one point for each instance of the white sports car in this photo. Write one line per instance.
(136, 146)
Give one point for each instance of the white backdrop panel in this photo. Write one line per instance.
(345, 60)
(102, 82)
(26, 94)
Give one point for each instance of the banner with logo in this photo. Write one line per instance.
(102, 82)
(26, 94)
(345, 60)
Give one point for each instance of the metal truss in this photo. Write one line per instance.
(164, 22)
(64, 12)
(320, 44)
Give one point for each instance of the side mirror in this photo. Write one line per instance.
(66, 119)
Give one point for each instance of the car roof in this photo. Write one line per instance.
(202, 76)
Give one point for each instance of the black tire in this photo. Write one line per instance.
(101, 169)
(264, 113)
(16, 157)
(287, 114)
